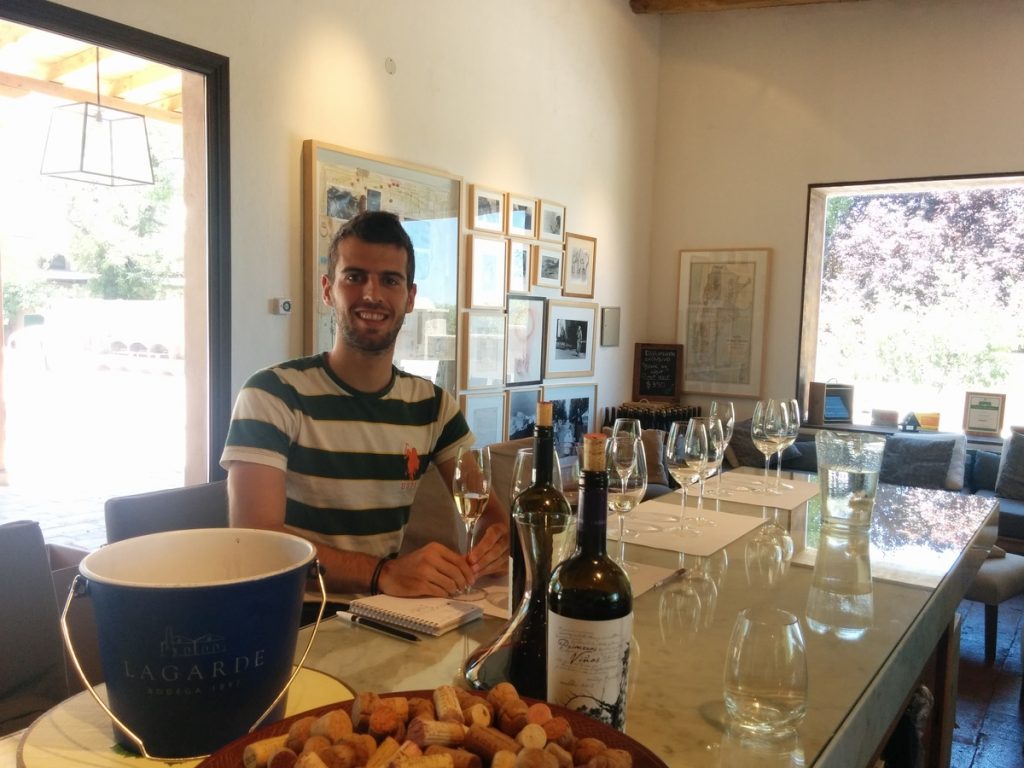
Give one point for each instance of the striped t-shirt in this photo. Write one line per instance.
(353, 459)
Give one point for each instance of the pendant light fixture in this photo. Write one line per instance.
(96, 144)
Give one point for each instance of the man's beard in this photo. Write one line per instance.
(364, 342)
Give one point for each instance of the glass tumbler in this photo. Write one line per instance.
(765, 680)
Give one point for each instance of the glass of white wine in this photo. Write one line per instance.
(632, 484)
(767, 429)
(471, 489)
(681, 471)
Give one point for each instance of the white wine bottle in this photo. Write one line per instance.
(590, 609)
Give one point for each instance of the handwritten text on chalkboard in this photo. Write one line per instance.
(657, 371)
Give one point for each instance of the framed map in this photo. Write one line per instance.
(338, 183)
(721, 314)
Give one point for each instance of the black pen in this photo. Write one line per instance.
(387, 629)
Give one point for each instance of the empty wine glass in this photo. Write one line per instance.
(767, 428)
(791, 430)
(471, 489)
(682, 473)
(697, 450)
(716, 450)
(632, 485)
(724, 411)
(523, 474)
(628, 426)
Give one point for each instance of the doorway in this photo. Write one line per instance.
(115, 359)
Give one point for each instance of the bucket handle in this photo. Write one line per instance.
(80, 587)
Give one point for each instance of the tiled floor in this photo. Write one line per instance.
(990, 723)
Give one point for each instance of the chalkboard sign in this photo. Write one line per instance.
(657, 372)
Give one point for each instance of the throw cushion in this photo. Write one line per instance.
(985, 471)
(654, 454)
(806, 459)
(1010, 483)
(921, 463)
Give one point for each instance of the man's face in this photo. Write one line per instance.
(369, 294)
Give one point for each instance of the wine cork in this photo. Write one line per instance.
(593, 452)
(543, 413)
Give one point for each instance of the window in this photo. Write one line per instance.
(914, 295)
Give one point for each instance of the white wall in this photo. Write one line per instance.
(755, 105)
(550, 99)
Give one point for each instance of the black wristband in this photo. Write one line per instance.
(374, 585)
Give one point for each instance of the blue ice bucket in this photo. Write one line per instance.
(197, 632)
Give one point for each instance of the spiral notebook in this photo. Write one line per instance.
(430, 615)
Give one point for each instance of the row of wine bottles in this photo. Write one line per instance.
(567, 639)
(651, 415)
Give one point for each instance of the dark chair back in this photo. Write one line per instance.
(174, 509)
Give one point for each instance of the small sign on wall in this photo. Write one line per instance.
(657, 372)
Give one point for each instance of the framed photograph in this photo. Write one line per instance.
(572, 409)
(547, 267)
(721, 311)
(486, 269)
(569, 345)
(524, 336)
(484, 350)
(485, 414)
(486, 209)
(552, 221)
(522, 216)
(338, 183)
(519, 262)
(580, 260)
(983, 414)
(522, 411)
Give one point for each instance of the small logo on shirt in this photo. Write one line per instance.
(412, 462)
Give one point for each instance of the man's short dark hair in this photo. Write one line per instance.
(374, 227)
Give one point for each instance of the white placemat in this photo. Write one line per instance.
(742, 488)
(656, 513)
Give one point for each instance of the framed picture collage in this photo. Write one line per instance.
(527, 329)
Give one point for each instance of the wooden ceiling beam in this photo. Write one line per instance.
(692, 6)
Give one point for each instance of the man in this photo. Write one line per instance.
(332, 447)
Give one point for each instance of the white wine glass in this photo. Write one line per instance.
(716, 451)
(630, 427)
(697, 449)
(767, 427)
(791, 429)
(632, 487)
(471, 489)
(682, 473)
(524, 475)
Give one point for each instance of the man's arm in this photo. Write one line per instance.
(256, 499)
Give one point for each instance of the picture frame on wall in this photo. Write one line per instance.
(547, 267)
(522, 216)
(580, 261)
(519, 263)
(721, 310)
(485, 414)
(522, 412)
(551, 221)
(573, 407)
(983, 413)
(338, 183)
(486, 271)
(524, 336)
(486, 209)
(569, 340)
(483, 349)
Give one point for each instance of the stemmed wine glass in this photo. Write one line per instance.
(792, 431)
(697, 451)
(682, 473)
(716, 450)
(626, 426)
(471, 488)
(767, 428)
(724, 411)
(632, 484)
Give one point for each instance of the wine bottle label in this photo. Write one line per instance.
(588, 664)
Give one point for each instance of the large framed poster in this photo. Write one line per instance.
(338, 183)
(722, 306)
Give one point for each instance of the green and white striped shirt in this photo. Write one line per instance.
(352, 459)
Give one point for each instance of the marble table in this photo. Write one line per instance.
(925, 547)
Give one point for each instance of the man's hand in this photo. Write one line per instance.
(432, 570)
(490, 555)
